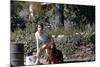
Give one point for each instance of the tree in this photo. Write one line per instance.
(59, 17)
(16, 19)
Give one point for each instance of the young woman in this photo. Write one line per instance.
(42, 39)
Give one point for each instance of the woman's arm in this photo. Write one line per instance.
(37, 41)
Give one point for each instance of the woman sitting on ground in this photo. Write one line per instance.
(43, 39)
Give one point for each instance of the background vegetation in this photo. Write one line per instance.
(75, 22)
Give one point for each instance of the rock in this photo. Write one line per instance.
(30, 60)
(60, 36)
(53, 36)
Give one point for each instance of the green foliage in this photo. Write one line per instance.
(81, 15)
(16, 7)
(16, 20)
(24, 35)
(81, 34)
(71, 44)
(63, 31)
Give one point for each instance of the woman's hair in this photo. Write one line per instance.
(41, 24)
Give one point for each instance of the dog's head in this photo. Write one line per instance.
(51, 43)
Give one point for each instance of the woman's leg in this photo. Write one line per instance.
(39, 53)
(37, 59)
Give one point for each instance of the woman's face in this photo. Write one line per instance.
(39, 28)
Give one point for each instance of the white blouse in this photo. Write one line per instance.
(41, 38)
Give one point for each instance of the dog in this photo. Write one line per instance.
(54, 55)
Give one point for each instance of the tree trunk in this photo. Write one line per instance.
(30, 11)
(59, 17)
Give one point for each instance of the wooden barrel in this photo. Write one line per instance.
(17, 54)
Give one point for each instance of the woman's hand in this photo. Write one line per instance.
(44, 46)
